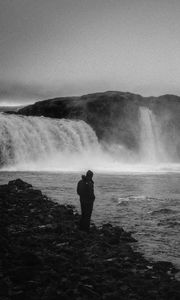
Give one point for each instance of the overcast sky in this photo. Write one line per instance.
(71, 47)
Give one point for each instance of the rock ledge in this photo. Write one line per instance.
(45, 256)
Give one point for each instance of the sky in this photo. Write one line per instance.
(52, 48)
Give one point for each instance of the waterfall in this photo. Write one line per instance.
(39, 141)
(152, 147)
(44, 144)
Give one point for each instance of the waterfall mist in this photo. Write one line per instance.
(39, 143)
(152, 144)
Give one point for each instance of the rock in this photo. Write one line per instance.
(21, 274)
(111, 114)
(4, 287)
(163, 266)
(30, 259)
(177, 276)
(45, 256)
(19, 184)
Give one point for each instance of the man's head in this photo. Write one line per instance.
(89, 174)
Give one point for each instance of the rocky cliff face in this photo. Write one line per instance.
(113, 115)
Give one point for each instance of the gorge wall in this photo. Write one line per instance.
(103, 131)
(111, 114)
(115, 116)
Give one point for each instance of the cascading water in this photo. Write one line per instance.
(27, 142)
(39, 143)
(152, 146)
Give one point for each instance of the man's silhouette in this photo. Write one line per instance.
(85, 190)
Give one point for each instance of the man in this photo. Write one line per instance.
(85, 190)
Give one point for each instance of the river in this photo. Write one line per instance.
(148, 204)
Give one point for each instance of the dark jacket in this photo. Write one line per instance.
(85, 189)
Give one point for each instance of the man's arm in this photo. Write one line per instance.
(78, 188)
(91, 190)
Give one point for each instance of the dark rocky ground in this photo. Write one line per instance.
(45, 256)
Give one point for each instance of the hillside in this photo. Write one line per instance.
(113, 115)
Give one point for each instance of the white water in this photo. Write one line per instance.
(39, 143)
(153, 148)
(35, 143)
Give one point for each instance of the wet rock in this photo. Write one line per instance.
(22, 274)
(163, 266)
(4, 287)
(19, 184)
(30, 259)
(45, 256)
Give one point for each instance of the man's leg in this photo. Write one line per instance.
(82, 225)
(89, 208)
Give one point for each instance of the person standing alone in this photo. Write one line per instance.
(85, 190)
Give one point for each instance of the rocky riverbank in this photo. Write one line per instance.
(45, 256)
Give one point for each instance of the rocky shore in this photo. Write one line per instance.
(45, 256)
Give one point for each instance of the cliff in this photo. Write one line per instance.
(113, 115)
(101, 110)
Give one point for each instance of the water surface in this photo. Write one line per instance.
(146, 204)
